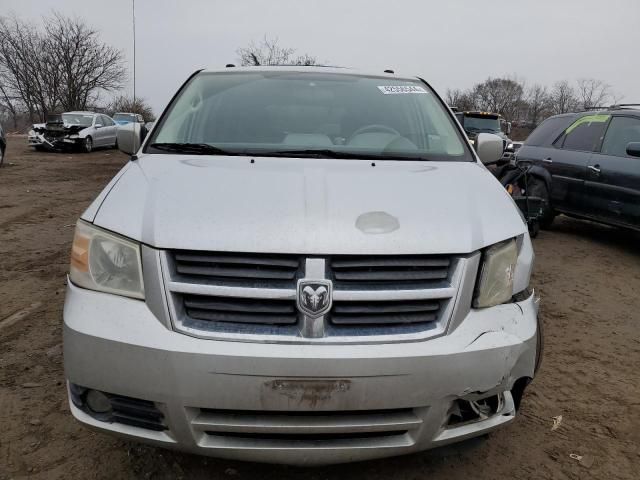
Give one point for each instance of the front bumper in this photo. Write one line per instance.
(35, 139)
(261, 402)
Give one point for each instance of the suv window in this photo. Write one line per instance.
(548, 131)
(282, 112)
(585, 134)
(621, 131)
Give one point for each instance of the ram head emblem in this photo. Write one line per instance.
(314, 298)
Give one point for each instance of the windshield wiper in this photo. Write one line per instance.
(193, 148)
(328, 153)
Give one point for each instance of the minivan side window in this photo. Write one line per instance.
(621, 131)
(585, 134)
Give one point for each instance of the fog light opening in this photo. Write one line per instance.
(469, 411)
(98, 402)
(77, 394)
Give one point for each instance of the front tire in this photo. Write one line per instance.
(87, 145)
(539, 189)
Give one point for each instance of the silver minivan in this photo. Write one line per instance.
(301, 265)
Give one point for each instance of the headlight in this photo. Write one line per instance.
(74, 136)
(510, 146)
(105, 262)
(495, 285)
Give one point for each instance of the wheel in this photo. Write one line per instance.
(88, 145)
(539, 189)
(534, 228)
(1, 155)
(115, 145)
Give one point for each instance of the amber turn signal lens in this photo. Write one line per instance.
(80, 252)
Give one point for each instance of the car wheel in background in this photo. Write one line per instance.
(1, 155)
(539, 189)
(88, 145)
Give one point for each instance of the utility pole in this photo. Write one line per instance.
(133, 16)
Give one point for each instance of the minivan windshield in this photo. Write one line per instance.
(299, 114)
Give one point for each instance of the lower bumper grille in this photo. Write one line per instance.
(300, 427)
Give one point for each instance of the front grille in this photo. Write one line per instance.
(399, 270)
(253, 297)
(241, 310)
(296, 427)
(384, 313)
(233, 267)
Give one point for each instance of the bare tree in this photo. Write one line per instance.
(268, 52)
(460, 99)
(20, 45)
(9, 104)
(500, 95)
(86, 65)
(563, 98)
(62, 66)
(538, 103)
(127, 104)
(593, 93)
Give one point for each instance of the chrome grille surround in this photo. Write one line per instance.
(450, 294)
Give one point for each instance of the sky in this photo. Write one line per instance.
(449, 43)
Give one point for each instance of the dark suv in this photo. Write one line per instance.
(591, 163)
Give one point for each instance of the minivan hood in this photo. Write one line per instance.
(311, 206)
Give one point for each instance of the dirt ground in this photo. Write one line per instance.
(588, 276)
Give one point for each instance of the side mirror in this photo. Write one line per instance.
(129, 138)
(98, 125)
(633, 149)
(488, 146)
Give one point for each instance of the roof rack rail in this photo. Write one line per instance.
(318, 65)
(620, 106)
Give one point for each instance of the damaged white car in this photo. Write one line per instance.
(78, 130)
